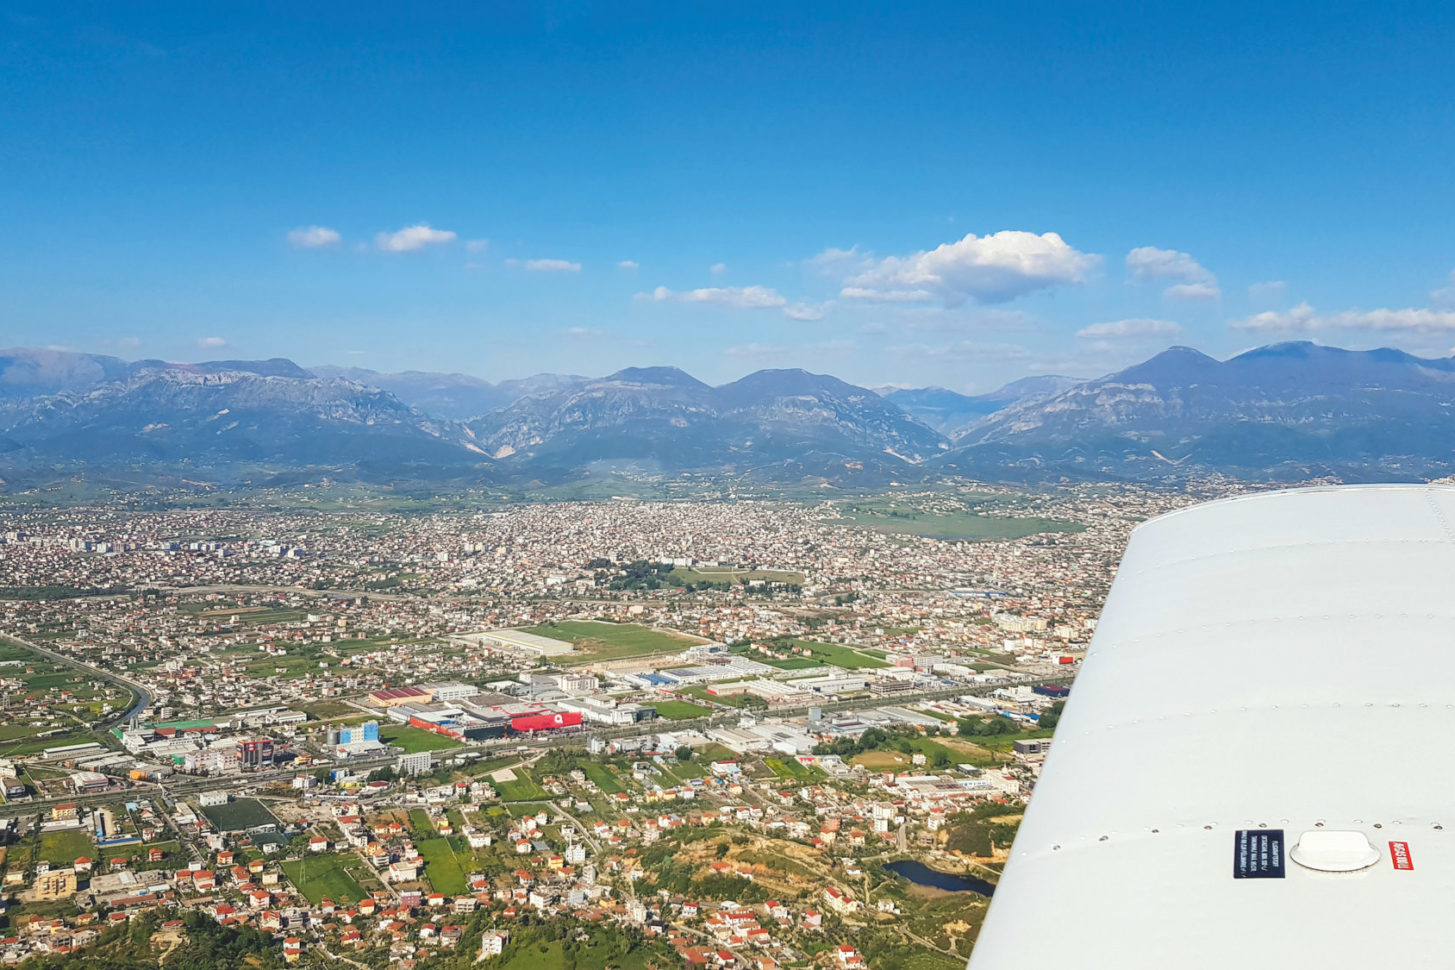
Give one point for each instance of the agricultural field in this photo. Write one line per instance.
(680, 710)
(445, 861)
(413, 739)
(239, 814)
(521, 788)
(595, 640)
(602, 777)
(839, 656)
(317, 876)
(23, 740)
(790, 769)
(419, 823)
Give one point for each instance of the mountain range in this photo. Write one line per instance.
(1286, 411)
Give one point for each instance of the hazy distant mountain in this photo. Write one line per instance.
(663, 415)
(1286, 411)
(1290, 410)
(452, 396)
(193, 415)
(949, 412)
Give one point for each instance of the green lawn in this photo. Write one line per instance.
(66, 846)
(602, 777)
(443, 864)
(327, 874)
(731, 577)
(680, 710)
(612, 641)
(840, 656)
(413, 739)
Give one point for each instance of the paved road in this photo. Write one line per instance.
(144, 698)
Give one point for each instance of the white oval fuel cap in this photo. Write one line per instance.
(1329, 850)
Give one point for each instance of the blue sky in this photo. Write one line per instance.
(953, 194)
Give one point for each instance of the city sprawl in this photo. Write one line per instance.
(734, 734)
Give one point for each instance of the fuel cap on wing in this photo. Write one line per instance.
(1329, 850)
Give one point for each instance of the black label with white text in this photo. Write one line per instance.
(1258, 854)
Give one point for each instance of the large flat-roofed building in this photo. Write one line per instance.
(529, 643)
(394, 696)
(1223, 791)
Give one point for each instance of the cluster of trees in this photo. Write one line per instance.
(899, 739)
(1052, 716)
(983, 829)
(993, 727)
(56, 591)
(643, 575)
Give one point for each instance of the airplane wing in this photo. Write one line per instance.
(1253, 770)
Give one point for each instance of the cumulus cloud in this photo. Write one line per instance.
(741, 297)
(211, 343)
(477, 245)
(1193, 291)
(1150, 264)
(1136, 328)
(411, 238)
(984, 269)
(314, 237)
(1304, 319)
(717, 269)
(545, 265)
(628, 264)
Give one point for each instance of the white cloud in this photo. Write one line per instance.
(841, 262)
(584, 333)
(866, 295)
(1193, 291)
(545, 265)
(1303, 319)
(765, 353)
(1271, 290)
(1150, 264)
(1445, 297)
(986, 269)
(411, 238)
(742, 297)
(964, 350)
(211, 343)
(477, 245)
(628, 264)
(717, 269)
(314, 237)
(805, 311)
(1136, 328)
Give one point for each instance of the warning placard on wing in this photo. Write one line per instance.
(1258, 854)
